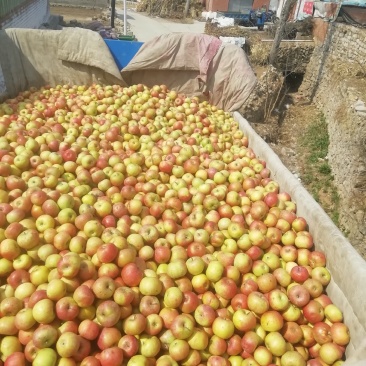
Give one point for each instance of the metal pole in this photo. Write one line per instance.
(113, 5)
(125, 17)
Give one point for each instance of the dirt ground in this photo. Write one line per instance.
(286, 146)
(72, 13)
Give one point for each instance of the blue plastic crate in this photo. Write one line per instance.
(123, 51)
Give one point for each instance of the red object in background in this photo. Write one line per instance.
(217, 5)
(258, 4)
(308, 7)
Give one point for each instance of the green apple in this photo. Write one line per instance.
(149, 346)
(173, 297)
(45, 356)
(215, 270)
(9, 345)
(275, 343)
(56, 289)
(39, 274)
(68, 344)
(44, 311)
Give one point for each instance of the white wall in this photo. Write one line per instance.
(31, 15)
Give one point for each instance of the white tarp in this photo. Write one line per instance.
(327, 10)
(209, 15)
(224, 22)
(237, 41)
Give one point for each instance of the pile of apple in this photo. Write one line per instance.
(137, 228)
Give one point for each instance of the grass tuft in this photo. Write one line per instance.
(317, 176)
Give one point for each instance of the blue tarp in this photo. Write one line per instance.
(123, 51)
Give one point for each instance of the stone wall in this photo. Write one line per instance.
(336, 81)
(292, 56)
(338, 47)
(30, 15)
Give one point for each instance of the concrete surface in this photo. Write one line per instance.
(145, 28)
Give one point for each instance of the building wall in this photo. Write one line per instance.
(30, 15)
(258, 4)
(242, 6)
(217, 5)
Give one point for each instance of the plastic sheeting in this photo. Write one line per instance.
(209, 15)
(238, 41)
(347, 288)
(224, 22)
(326, 10)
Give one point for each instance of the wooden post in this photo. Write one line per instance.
(186, 10)
(280, 30)
(125, 17)
(113, 13)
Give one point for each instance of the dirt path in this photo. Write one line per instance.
(142, 26)
(145, 28)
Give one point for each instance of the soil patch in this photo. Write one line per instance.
(79, 14)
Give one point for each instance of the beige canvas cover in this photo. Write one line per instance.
(194, 64)
(32, 57)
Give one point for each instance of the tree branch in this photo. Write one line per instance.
(186, 9)
(280, 30)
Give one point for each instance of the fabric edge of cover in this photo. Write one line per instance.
(182, 52)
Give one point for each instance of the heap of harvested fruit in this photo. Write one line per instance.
(137, 227)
